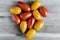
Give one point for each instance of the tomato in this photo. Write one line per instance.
(23, 26)
(31, 22)
(15, 10)
(43, 11)
(38, 25)
(24, 6)
(16, 19)
(36, 15)
(35, 5)
(25, 15)
(30, 34)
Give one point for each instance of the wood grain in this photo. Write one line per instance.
(52, 22)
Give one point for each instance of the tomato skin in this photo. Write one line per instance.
(43, 11)
(31, 22)
(25, 15)
(23, 26)
(35, 5)
(36, 15)
(30, 34)
(38, 25)
(15, 10)
(16, 19)
(23, 6)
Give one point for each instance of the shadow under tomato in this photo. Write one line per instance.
(19, 31)
(29, 2)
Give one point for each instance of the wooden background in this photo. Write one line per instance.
(50, 31)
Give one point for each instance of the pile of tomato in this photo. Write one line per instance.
(29, 17)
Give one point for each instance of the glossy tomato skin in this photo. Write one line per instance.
(25, 15)
(30, 34)
(16, 19)
(36, 15)
(38, 25)
(15, 10)
(23, 6)
(23, 26)
(35, 5)
(43, 11)
(31, 22)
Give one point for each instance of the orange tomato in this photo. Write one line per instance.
(16, 19)
(38, 25)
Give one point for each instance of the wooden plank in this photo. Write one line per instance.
(51, 19)
(51, 5)
(53, 9)
(9, 29)
(44, 36)
(6, 19)
(37, 35)
(22, 38)
(48, 2)
(12, 28)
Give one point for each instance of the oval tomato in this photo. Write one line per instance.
(36, 15)
(30, 34)
(25, 15)
(43, 11)
(24, 6)
(38, 25)
(35, 5)
(23, 26)
(31, 22)
(16, 19)
(15, 10)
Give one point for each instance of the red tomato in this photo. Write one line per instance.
(43, 11)
(31, 22)
(25, 15)
(16, 19)
(24, 6)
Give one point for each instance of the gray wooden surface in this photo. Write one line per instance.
(52, 22)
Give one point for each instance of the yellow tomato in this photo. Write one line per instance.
(23, 26)
(15, 10)
(30, 34)
(38, 25)
(36, 15)
(35, 5)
